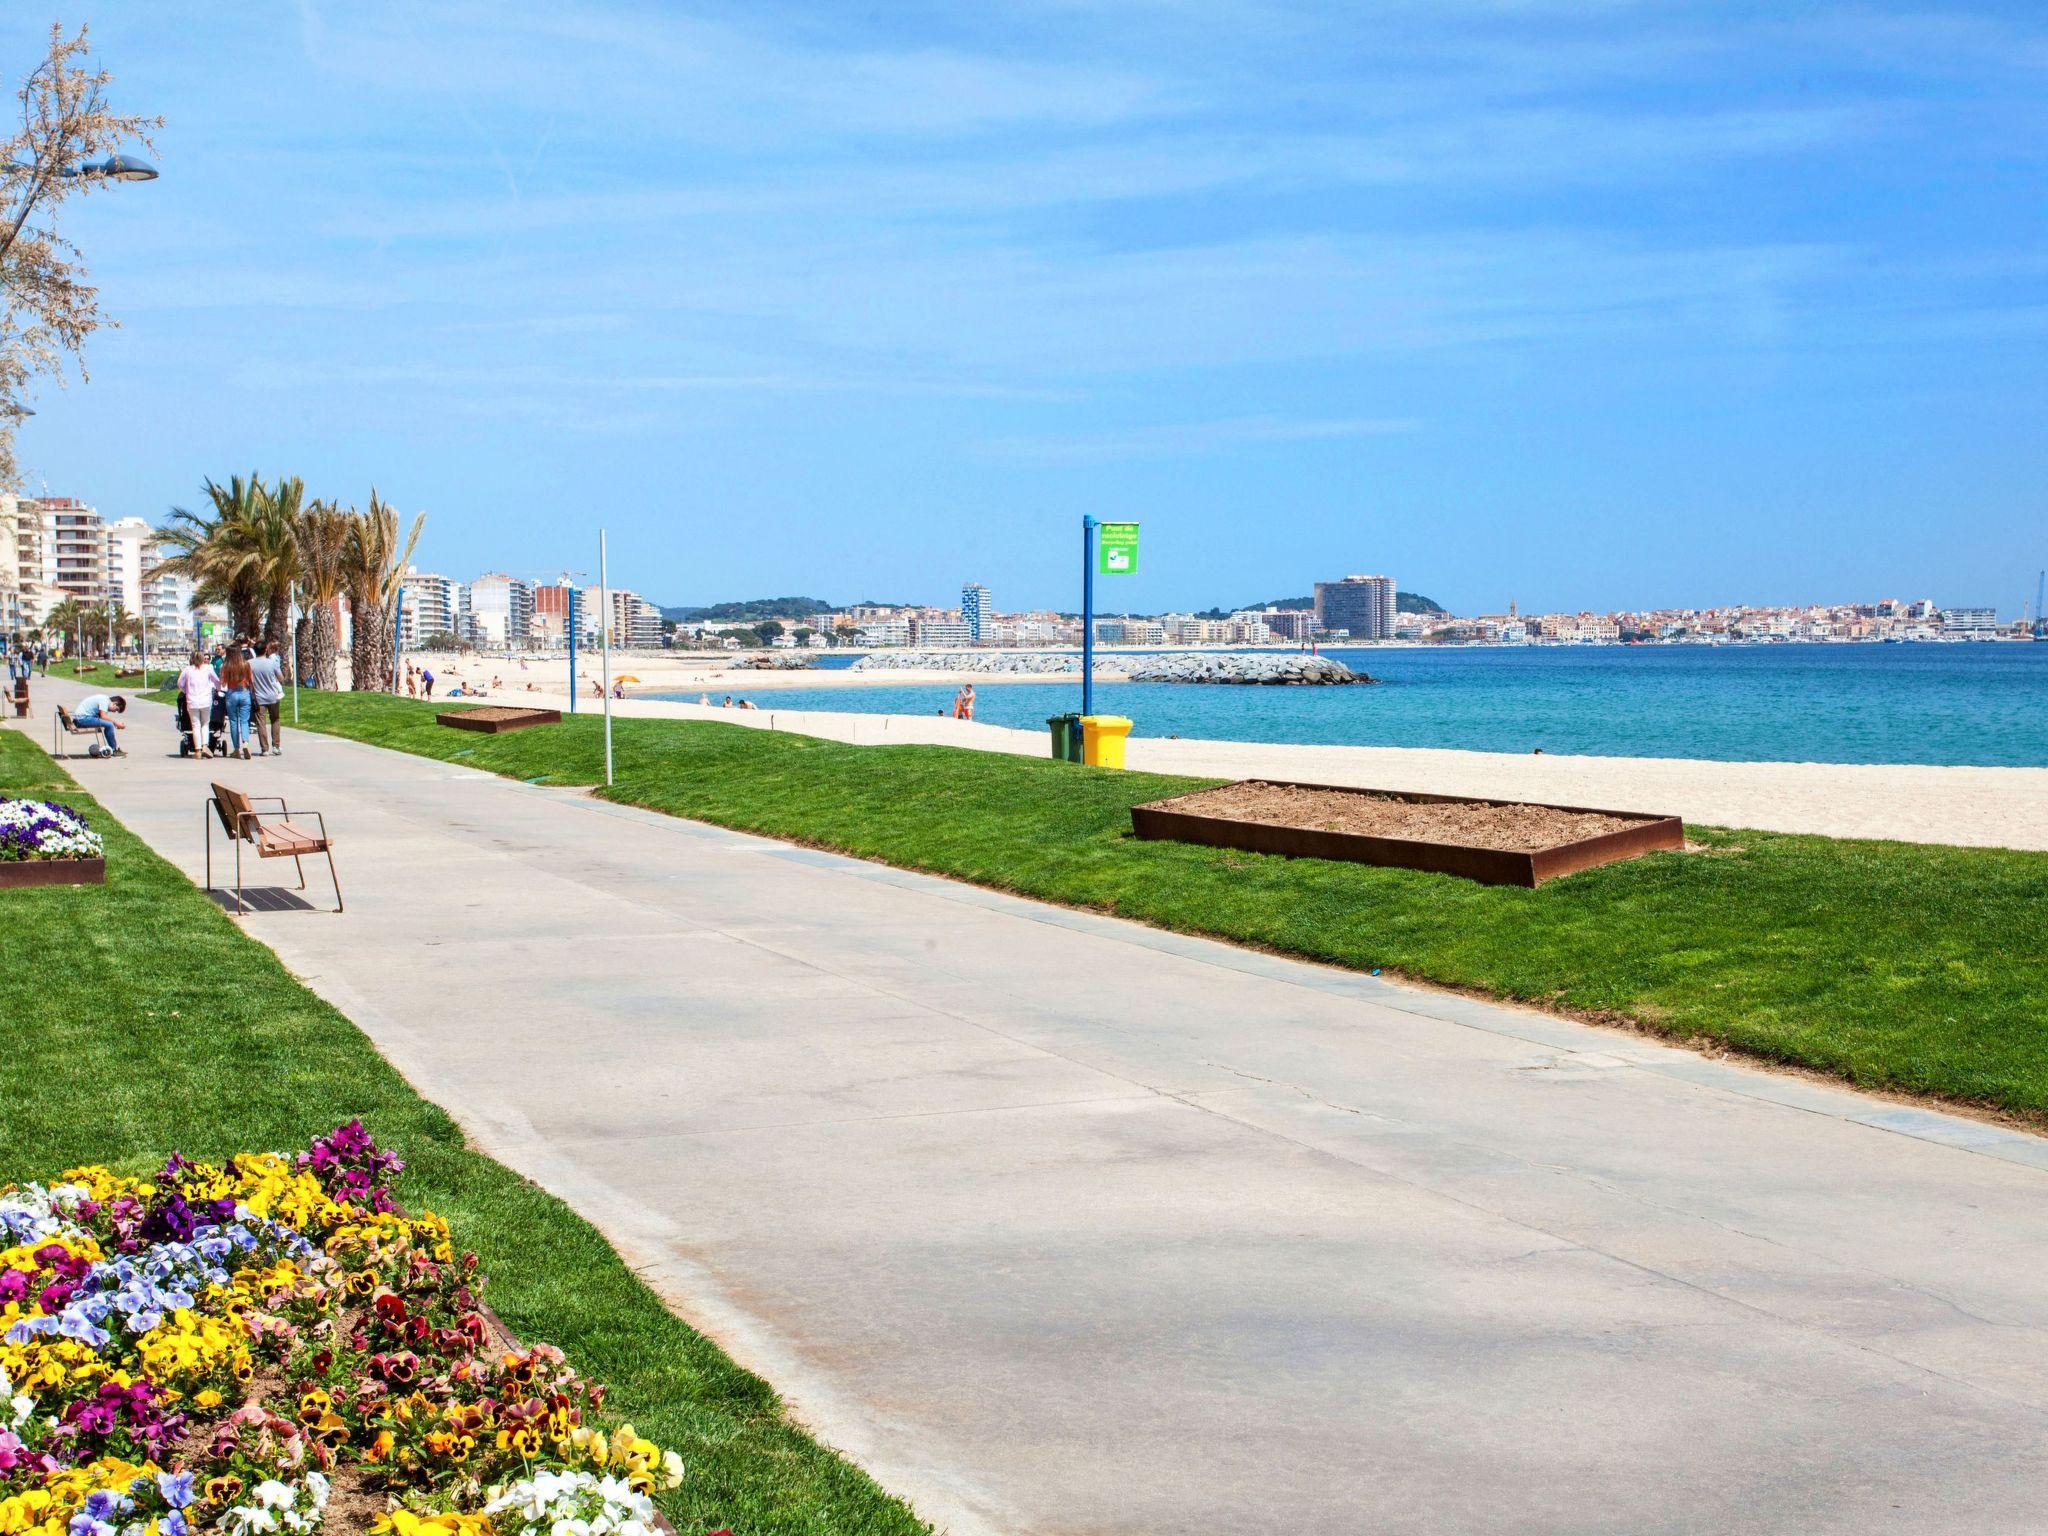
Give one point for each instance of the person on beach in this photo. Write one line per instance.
(728, 702)
(412, 682)
(704, 700)
(266, 694)
(93, 710)
(427, 681)
(966, 710)
(196, 687)
(236, 678)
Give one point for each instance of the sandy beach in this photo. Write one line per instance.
(716, 673)
(1964, 806)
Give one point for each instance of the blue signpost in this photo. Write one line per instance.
(1087, 615)
(573, 594)
(1116, 545)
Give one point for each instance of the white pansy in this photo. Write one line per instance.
(551, 1503)
(58, 832)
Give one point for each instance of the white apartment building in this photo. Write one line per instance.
(1971, 623)
(501, 610)
(635, 622)
(429, 604)
(56, 549)
(167, 601)
(1034, 632)
(1130, 632)
(943, 632)
(888, 632)
(128, 542)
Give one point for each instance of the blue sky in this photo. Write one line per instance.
(1579, 302)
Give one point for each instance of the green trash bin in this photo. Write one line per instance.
(1066, 738)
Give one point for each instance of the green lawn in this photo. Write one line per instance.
(1902, 966)
(136, 1018)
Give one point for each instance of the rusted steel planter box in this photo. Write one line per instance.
(494, 718)
(1490, 866)
(23, 872)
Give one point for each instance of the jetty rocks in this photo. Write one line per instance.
(1258, 668)
(776, 661)
(1263, 668)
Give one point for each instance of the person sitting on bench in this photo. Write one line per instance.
(93, 709)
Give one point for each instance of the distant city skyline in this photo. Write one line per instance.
(1585, 307)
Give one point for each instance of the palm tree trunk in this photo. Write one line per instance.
(243, 612)
(370, 645)
(277, 626)
(319, 645)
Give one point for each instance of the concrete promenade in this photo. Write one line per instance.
(1059, 1224)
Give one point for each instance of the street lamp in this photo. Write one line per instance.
(112, 168)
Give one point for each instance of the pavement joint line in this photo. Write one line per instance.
(1953, 1132)
(1582, 1245)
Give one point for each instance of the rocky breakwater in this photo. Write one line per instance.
(776, 661)
(1259, 668)
(1270, 669)
(1005, 663)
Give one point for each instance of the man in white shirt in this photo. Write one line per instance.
(93, 710)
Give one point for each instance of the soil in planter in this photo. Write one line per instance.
(1512, 828)
(503, 712)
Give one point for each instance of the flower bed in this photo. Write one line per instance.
(44, 843)
(271, 1345)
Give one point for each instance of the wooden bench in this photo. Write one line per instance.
(274, 834)
(63, 725)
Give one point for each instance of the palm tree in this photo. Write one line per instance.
(376, 564)
(65, 619)
(270, 552)
(213, 547)
(324, 534)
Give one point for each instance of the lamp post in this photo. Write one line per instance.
(112, 168)
(604, 614)
(1088, 615)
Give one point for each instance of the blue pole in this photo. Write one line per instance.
(1087, 615)
(572, 648)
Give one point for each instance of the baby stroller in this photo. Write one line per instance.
(216, 729)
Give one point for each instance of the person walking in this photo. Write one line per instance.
(197, 686)
(93, 710)
(266, 694)
(236, 677)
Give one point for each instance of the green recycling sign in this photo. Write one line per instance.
(1117, 549)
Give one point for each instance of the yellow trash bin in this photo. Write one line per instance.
(1102, 740)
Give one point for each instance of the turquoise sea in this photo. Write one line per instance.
(1981, 704)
